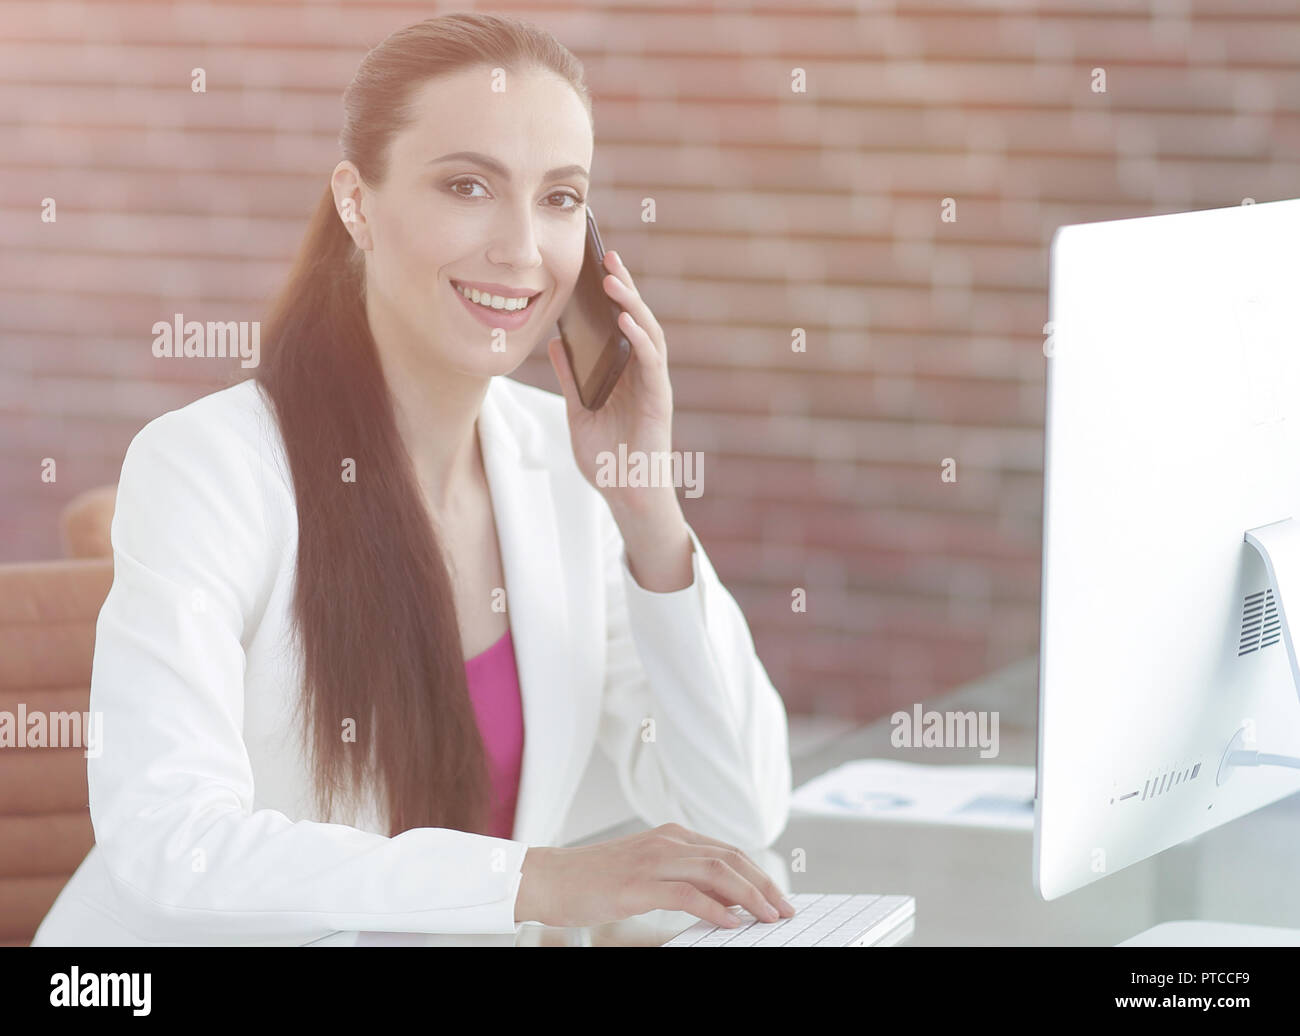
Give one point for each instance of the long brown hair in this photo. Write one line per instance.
(373, 610)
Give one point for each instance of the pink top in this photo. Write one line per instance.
(494, 690)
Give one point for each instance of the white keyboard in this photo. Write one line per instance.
(820, 919)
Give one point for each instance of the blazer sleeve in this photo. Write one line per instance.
(716, 758)
(197, 538)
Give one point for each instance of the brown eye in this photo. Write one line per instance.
(464, 182)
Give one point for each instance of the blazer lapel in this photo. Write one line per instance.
(537, 609)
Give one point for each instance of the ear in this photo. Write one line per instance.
(346, 184)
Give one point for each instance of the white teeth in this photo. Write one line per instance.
(492, 301)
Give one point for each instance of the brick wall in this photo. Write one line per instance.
(775, 210)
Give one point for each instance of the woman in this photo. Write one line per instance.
(298, 738)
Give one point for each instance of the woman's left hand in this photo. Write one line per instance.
(637, 413)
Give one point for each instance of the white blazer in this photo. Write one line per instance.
(201, 800)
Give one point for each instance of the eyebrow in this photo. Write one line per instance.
(488, 162)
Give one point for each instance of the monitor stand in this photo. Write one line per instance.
(1278, 544)
(1213, 933)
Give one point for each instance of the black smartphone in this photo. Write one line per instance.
(594, 343)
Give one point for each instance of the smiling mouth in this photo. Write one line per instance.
(484, 300)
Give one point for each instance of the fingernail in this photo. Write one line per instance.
(786, 904)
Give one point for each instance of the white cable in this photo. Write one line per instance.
(1244, 758)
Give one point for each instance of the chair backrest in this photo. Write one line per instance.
(48, 611)
(86, 521)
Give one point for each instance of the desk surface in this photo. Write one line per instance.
(973, 886)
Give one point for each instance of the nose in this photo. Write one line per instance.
(514, 242)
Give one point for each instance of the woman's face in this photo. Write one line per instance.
(514, 218)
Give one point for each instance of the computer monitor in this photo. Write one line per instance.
(1172, 432)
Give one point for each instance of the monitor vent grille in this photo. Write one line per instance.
(1260, 627)
(1159, 783)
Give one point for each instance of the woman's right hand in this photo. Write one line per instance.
(666, 868)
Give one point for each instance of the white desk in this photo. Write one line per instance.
(973, 886)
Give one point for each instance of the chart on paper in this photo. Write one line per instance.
(882, 789)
